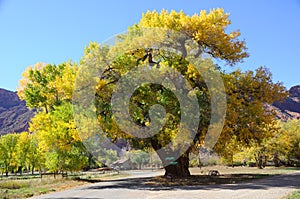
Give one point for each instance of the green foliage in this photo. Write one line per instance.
(286, 142)
(56, 145)
(59, 140)
(9, 152)
(45, 85)
(282, 147)
(23, 148)
(19, 152)
(294, 195)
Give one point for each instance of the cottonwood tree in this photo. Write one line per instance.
(207, 30)
(48, 88)
(44, 86)
(59, 140)
(247, 119)
(8, 152)
(284, 146)
(23, 150)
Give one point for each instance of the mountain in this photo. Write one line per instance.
(290, 107)
(14, 115)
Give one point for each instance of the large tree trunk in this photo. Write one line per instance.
(174, 167)
(180, 169)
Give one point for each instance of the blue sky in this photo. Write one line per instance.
(54, 31)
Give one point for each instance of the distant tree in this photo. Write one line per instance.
(58, 139)
(36, 156)
(23, 150)
(139, 157)
(232, 148)
(49, 89)
(282, 147)
(248, 123)
(44, 86)
(8, 152)
(285, 144)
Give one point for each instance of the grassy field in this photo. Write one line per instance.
(29, 186)
(294, 195)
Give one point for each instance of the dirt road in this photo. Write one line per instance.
(267, 188)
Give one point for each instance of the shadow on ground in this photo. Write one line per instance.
(232, 182)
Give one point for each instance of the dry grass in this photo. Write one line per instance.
(24, 188)
(33, 187)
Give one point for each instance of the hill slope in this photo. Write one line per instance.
(14, 115)
(290, 107)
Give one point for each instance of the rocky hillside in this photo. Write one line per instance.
(290, 107)
(14, 115)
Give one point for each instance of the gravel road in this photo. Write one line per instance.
(267, 188)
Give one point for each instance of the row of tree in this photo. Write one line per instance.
(49, 89)
(27, 152)
(18, 151)
(282, 148)
(23, 152)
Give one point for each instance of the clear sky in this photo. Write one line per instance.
(53, 31)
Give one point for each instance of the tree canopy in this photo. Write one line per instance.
(164, 41)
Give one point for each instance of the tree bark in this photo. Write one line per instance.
(276, 160)
(260, 162)
(265, 161)
(176, 168)
(181, 169)
(173, 167)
